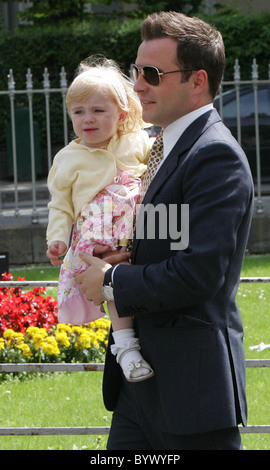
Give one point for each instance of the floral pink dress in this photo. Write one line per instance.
(107, 220)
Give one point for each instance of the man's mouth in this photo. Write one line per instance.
(146, 102)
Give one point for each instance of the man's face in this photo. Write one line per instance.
(171, 99)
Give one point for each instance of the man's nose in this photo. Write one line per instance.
(140, 84)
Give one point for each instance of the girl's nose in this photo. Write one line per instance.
(89, 117)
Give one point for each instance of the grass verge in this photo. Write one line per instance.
(76, 400)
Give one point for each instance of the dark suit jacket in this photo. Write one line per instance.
(183, 301)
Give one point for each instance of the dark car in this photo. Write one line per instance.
(247, 122)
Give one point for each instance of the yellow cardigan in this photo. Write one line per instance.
(78, 173)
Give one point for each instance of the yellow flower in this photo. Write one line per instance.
(62, 339)
(101, 323)
(93, 335)
(77, 329)
(61, 327)
(50, 346)
(32, 330)
(85, 340)
(13, 337)
(25, 350)
(9, 333)
(39, 337)
(100, 336)
(49, 349)
(43, 331)
(18, 338)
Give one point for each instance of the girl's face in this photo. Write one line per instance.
(96, 120)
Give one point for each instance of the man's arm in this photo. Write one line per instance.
(218, 188)
(219, 193)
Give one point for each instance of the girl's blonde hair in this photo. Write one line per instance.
(96, 74)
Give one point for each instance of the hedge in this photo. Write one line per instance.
(55, 47)
(245, 37)
(52, 48)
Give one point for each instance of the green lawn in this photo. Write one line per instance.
(75, 399)
(55, 399)
(36, 272)
(254, 303)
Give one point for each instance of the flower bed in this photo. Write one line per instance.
(29, 331)
(19, 310)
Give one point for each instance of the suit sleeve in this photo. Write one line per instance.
(217, 186)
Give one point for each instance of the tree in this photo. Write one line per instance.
(144, 7)
(54, 11)
(48, 12)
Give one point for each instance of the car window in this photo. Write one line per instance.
(247, 105)
(264, 102)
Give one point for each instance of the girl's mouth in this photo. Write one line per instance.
(90, 130)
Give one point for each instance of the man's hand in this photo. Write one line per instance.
(91, 281)
(55, 250)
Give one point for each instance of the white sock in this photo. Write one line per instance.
(125, 339)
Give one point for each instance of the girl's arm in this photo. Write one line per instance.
(61, 210)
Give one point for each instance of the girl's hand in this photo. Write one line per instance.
(55, 250)
(113, 257)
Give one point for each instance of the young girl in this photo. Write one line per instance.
(94, 183)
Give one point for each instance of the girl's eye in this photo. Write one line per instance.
(99, 110)
(78, 111)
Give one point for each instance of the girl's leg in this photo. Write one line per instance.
(127, 348)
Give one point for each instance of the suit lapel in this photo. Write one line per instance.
(182, 146)
(167, 168)
(173, 160)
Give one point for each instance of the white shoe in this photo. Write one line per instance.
(133, 369)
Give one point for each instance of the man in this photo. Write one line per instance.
(183, 301)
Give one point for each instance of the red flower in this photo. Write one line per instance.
(19, 310)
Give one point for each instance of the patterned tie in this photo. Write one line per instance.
(155, 157)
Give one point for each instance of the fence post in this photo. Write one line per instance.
(11, 87)
(46, 86)
(63, 85)
(29, 88)
(255, 77)
(237, 93)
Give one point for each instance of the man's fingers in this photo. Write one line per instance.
(87, 258)
(93, 260)
(97, 266)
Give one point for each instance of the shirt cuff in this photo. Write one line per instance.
(113, 271)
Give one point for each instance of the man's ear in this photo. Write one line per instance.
(200, 80)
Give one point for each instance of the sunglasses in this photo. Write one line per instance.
(152, 74)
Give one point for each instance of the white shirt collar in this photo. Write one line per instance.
(174, 131)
